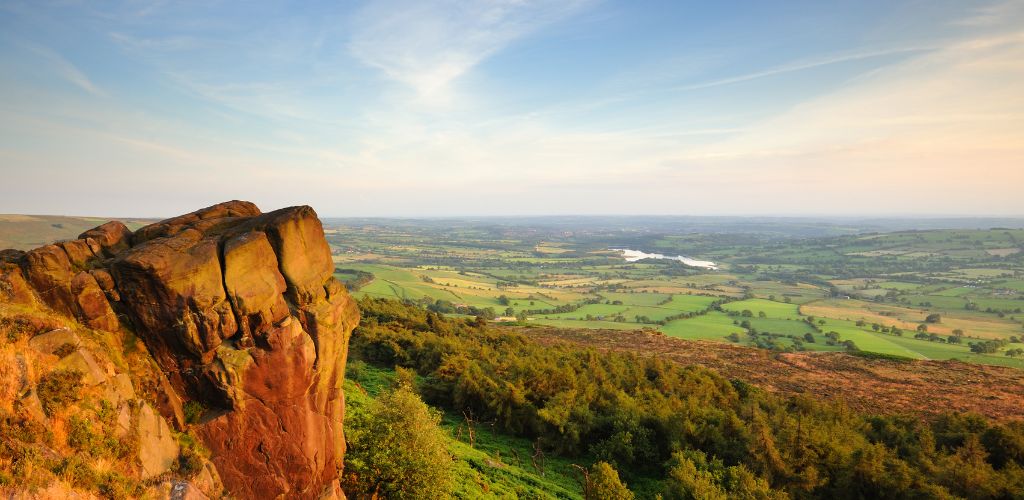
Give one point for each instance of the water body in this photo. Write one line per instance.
(635, 255)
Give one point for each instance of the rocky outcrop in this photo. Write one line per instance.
(240, 311)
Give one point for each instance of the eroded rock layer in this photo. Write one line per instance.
(240, 311)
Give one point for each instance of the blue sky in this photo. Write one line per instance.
(515, 107)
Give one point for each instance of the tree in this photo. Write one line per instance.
(397, 449)
(603, 483)
(933, 318)
(923, 328)
(503, 300)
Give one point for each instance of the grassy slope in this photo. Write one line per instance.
(489, 469)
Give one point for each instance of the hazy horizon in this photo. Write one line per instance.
(471, 216)
(436, 108)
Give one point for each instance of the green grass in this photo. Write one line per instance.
(595, 310)
(572, 323)
(783, 326)
(772, 309)
(955, 292)
(870, 341)
(710, 326)
(689, 303)
(636, 299)
(898, 286)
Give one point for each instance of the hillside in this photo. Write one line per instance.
(869, 384)
(25, 232)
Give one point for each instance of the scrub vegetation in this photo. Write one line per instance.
(658, 426)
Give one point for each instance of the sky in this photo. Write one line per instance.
(514, 107)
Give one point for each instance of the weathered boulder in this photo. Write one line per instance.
(118, 389)
(241, 313)
(92, 305)
(254, 283)
(13, 287)
(174, 289)
(82, 360)
(106, 283)
(49, 342)
(80, 252)
(203, 220)
(53, 272)
(157, 447)
(112, 237)
(32, 407)
(49, 272)
(174, 489)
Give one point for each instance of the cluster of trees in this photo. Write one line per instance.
(893, 330)
(448, 307)
(354, 279)
(699, 434)
(987, 346)
(565, 308)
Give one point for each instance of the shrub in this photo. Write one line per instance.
(604, 484)
(194, 411)
(118, 487)
(189, 464)
(77, 472)
(192, 456)
(58, 389)
(82, 437)
(398, 450)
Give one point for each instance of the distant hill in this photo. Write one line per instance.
(25, 232)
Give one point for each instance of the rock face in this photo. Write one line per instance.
(240, 311)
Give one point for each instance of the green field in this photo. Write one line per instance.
(772, 309)
(567, 277)
(711, 326)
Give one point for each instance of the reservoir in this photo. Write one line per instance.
(635, 255)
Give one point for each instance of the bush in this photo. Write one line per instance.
(82, 437)
(189, 464)
(119, 487)
(191, 457)
(76, 471)
(604, 484)
(194, 411)
(398, 450)
(59, 388)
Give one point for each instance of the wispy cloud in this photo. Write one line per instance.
(64, 68)
(428, 44)
(802, 66)
(995, 14)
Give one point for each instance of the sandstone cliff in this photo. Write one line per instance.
(243, 318)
